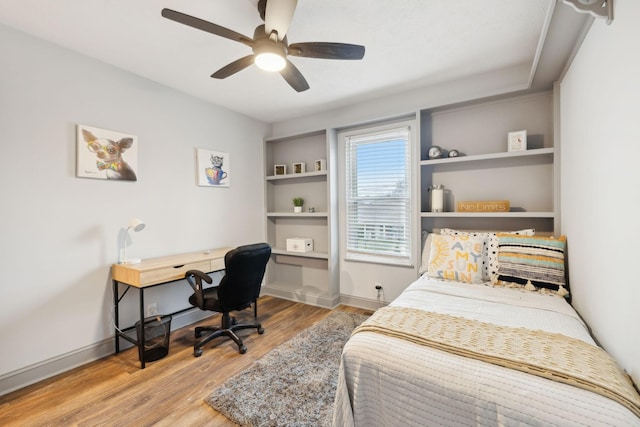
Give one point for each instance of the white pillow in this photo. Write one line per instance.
(426, 250)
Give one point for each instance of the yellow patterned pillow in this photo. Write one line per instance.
(456, 258)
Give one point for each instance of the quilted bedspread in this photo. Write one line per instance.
(392, 380)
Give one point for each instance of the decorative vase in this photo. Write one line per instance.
(297, 209)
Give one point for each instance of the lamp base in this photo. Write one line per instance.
(131, 261)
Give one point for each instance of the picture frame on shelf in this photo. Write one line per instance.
(320, 165)
(517, 141)
(298, 167)
(279, 169)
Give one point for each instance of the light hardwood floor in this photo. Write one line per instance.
(114, 391)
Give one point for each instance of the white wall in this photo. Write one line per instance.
(60, 233)
(600, 149)
(398, 102)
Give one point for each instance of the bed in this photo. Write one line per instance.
(453, 353)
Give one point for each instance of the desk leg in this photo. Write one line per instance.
(141, 340)
(116, 315)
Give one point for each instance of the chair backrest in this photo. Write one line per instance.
(244, 271)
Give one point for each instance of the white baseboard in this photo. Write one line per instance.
(32, 374)
(317, 300)
(364, 303)
(320, 301)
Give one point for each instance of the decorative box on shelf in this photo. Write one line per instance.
(299, 244)
(484, 206)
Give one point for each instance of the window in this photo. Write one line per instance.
(378, 191)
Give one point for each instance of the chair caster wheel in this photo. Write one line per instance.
(261, 331)
(242, 349)
(197, 352)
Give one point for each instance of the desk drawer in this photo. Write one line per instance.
(167, 274)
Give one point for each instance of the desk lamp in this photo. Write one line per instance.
(136, 225)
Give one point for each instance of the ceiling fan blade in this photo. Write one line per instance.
(327, 50)
(294, 77)
(278, 16)
(234, 67)
(207, 26)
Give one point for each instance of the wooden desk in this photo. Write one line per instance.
(157, 271)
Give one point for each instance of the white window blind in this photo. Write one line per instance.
(378, 196)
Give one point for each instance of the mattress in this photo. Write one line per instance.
(387, 381)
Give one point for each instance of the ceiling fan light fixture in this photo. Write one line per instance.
(270, 61)
(270, 57)
(270, 47)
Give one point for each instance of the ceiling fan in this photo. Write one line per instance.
(269, 43)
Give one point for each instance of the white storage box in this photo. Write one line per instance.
(299, 244)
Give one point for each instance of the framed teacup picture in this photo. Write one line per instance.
(279, 169)
(320, 165)
(517, 141)
(214, 168)
(298, 168)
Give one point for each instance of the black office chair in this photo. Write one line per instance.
(238, 290)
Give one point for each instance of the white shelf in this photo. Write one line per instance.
(492, 156)
(297, 214)
(296, 175)
(311, 254)
(526, 178)
(487, 214)
(309, 277)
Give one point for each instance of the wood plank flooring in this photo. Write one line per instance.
(114, 391)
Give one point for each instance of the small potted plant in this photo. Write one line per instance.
(297, 204)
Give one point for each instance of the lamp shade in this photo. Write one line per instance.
(135, 224)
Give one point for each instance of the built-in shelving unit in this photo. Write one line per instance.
(486, 170)
(296, 176)
(487, 214)
(310, 277)
(312, 254)
(491, 156)
(297, 215)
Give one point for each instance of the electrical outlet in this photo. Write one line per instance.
(152, 309)
(378, 286)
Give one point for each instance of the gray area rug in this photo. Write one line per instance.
(295, 383)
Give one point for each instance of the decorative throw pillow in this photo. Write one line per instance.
(490, 248)
(534, 262)
(456, 258)
(426, 251)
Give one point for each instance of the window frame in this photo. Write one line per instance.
(407, 260)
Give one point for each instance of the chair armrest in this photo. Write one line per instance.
(199, 276)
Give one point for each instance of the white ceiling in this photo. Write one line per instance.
(409, 44)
